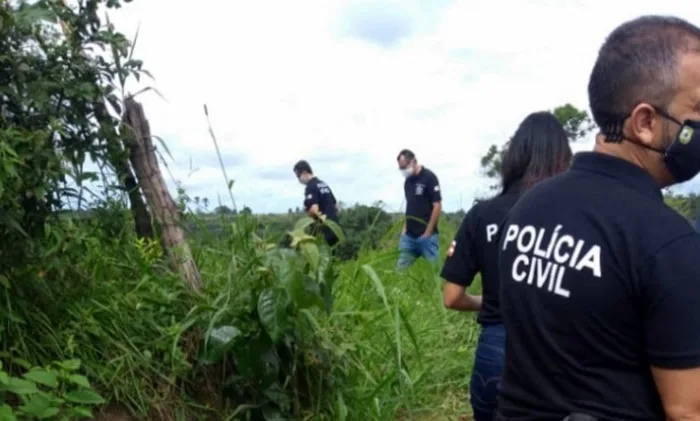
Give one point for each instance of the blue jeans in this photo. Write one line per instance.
(486, 375)
(411, 248)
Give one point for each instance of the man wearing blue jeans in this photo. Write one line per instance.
(419, 236)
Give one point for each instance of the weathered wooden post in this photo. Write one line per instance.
(163, 208)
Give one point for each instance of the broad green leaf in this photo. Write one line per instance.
(84, 396)
(311, 254)
(48, 413)
(305, 291)
(81, 412)
(9, 221)
(42, 377)
(21, 386)
(336, 229)
(38, 406)
(22, 363)
(79, 380)
(303, 223)
(219, 342)
(276, 394)
(285, 264)
(6, 413)
(69, 365)
(272, 311)
(298, 237)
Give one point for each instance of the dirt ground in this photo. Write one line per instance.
(114, 413)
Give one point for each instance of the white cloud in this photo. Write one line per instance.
(285, 80)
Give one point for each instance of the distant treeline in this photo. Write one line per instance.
(364, 226)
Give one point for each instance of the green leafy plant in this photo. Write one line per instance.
(276, 361)
(53, 392)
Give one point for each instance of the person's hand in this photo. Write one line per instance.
(426, 235)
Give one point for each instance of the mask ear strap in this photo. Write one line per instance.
(613, 131)
(667, 116)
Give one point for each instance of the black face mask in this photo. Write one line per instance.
(682, 158)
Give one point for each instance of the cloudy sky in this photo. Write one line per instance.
(346, 84)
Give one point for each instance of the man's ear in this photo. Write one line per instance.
(643, 124)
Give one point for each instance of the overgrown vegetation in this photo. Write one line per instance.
(96, 321)
(93, 313)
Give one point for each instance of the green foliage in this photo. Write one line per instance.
(360, 227)
(577, 123)
(252, 340)
(686, 205)
(87, 289)
(268, 339)
(365, 227)
(53, 113)
(56, 391)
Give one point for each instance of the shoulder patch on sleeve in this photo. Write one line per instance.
(451, 250)
(309, 196)
(436, 188)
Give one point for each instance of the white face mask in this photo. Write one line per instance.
(406, 172)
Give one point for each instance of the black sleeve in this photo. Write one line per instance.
(672, 310)
(461, 264)
(433, 189)
(311, 194)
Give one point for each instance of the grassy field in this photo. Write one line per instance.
(417, 355)
(388, 350)
(404, 355)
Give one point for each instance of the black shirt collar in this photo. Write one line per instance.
(626, 172)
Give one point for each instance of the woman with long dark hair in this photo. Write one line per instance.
(539, 149)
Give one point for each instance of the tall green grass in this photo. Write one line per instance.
(387, 350)
(413, 357)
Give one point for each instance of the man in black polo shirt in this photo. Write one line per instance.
(600, 280)
(318, 199)
(419, 236)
